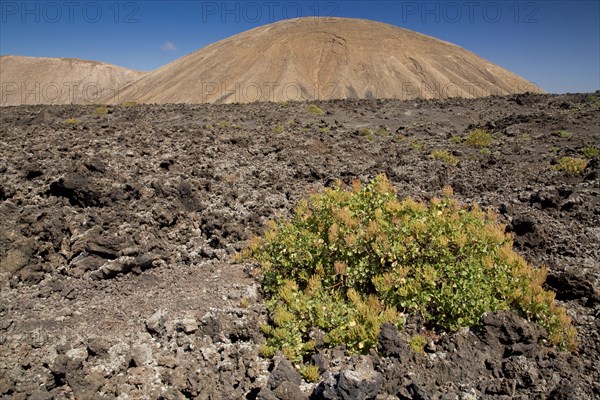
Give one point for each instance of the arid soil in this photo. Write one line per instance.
(117, 235)
(323, 58)
(42, 80)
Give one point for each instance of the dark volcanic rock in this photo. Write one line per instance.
(141, 209)
(360, 382)
(283, 372)
(77, 189)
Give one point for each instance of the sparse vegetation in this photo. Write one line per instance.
(310, 373)
(479, 138)
(445, 156)
(417, 343)
(101, 110)
(592, 99)
(313, 108)
(562, 134)
(244, 302)
(590, 152)
(571, 165)
(415, 145)
(129, 104)
(485, 152)
(456, 139)
(382, 132)
(368, 133)
(223, 124)
(71, 121)
(264, 350)
(278, 129)
(325, 130)
(350, 260)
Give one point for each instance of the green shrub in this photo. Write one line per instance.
(223, 124)
(368, 133)
(310, 373)
(562, 134)
(382, 132)
(313, 108)
(571, 165)
(71, 121)
(416, 145)
(101, 111)
(479, 138)
(590, 152)
(417, 343)
(456, 139)
(444, 156)
(485, 152)
(350, 260)
(129, 104)
(279, 129)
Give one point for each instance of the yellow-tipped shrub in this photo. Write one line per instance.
(351, 259)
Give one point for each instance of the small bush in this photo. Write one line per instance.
(456, 139)
(325, 130)
(223, 124)
(129, 104)
(571, 165)
(562, 134)
(479, 138)
(245, 302)
(382, 132)
(278, 129)
(368, 133)
(101, 111)
(310, 373)
(71, 121)
(416, 145)
(313, 108)
(485, 152)
(350, 260)
(590, 152)
(444, 156)
(417, 343)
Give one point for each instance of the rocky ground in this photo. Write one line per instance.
(117, 233)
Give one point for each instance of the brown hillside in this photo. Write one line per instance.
(33, 80)
(324, 58)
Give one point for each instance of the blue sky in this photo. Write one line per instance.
(555, 44)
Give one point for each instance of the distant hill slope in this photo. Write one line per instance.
(324, 58)
(33, 80)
